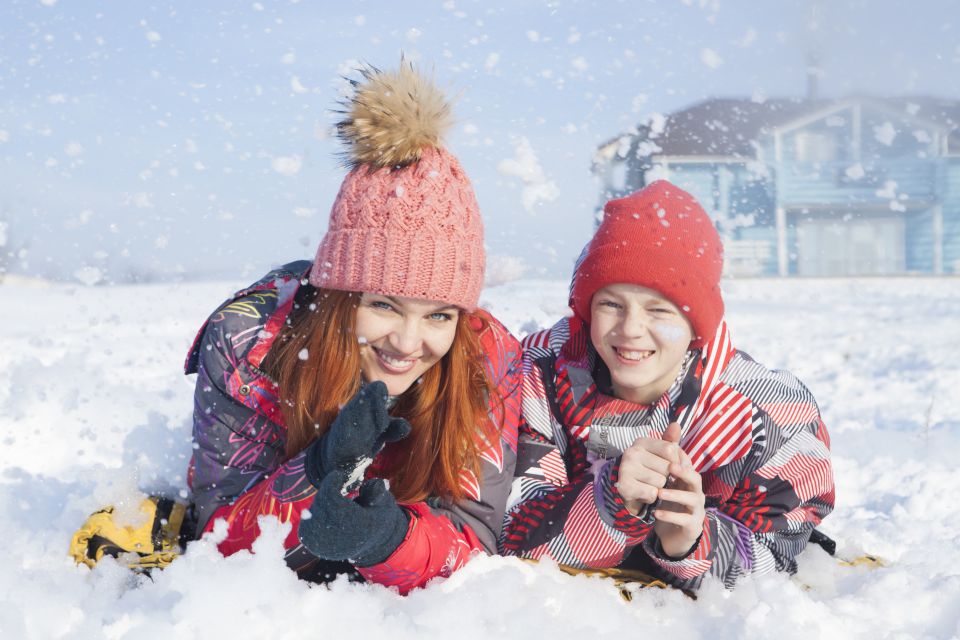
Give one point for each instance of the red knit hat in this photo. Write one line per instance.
(660, 238)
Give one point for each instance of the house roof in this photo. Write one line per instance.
(731, 126)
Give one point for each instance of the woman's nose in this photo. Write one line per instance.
(406, 338)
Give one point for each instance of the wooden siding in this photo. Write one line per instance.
(835, 183)
(698, 179)
(918, 240)
(951, 216)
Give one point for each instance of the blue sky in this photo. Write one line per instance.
(193, 138)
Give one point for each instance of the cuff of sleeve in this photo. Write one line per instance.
(697, 561)
(392, 541)
(614, 508)
(655, 549)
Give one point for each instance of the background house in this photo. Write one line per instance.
(810, 187)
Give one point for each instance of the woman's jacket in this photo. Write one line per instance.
(755, 436)
(238, 471)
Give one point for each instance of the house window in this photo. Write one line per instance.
(815, 147)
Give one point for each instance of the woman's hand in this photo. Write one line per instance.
(645, 467)
(357, 434)
(679, 516)
(364, 531)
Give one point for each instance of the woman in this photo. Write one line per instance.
(648, 441)
(325, 381)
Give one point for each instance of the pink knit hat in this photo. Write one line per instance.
(406, 221)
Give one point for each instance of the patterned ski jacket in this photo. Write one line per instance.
(238, 471)
(754, 435)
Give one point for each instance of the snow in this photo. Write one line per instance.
(88, 275)
(889, 190)
(855, 171)
(93, 408)
(287, 165)
(710, 58)
(885, 133)
(503, 269)
(537, 188)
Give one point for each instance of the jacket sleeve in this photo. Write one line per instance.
(784, 488)
(565, 512)
(444, 534)
(237, 472)
(563, 506)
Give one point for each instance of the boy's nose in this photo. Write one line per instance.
(634, 324)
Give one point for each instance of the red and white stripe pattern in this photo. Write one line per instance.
(553, 468)
(790, 412)
(722, 434)
(586, 536)
(810, 476)
(754, 435)
(713, 360)
(691, 567)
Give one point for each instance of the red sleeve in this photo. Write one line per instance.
(433, 547)
(285, 494)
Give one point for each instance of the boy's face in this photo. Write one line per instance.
(642, 338)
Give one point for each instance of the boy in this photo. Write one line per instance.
(649, 441)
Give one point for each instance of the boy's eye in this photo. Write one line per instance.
(661, 310)
(609, 303)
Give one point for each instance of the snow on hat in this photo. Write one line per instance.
(406, 221)
(660, 238)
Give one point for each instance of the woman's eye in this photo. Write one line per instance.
(441, 317)
(380, 304)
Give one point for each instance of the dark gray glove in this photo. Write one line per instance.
(357, 434)
(364, 532)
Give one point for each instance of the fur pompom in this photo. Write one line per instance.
(392, 117)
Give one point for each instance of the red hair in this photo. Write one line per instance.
(446, 408)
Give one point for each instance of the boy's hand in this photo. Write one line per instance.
(645, 467)
(680, 515)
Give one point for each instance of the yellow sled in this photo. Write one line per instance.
(153, 544)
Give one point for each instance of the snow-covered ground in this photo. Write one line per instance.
(93, 408)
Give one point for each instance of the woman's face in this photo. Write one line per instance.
(642, 338)
(400, 338)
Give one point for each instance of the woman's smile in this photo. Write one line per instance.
(393, 363)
